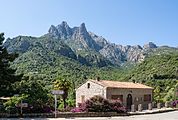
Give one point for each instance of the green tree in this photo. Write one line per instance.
(169, 95)
(11, 104)
(36, 92)
(7, 74)
(157, 95)
(65, 85)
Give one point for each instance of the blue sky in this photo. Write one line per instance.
(127, 22)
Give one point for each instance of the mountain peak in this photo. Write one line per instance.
(149, 45)
(53, 30)
(82, 25)
(83, 30)
(62, 30)
(64, 23)
(89, 47)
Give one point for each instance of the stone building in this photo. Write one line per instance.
(128, 92)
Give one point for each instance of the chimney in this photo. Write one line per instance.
(98, 78)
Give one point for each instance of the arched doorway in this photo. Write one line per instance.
(129, 101)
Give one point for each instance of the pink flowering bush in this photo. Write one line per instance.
(174, 103)
(81, 108)
(99, 104)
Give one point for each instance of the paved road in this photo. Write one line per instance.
(160, 116)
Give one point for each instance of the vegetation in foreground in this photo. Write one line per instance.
(7, 74)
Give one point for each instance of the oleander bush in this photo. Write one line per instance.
(100, 104)
(175, 103)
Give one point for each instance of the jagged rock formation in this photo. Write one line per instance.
(79, 39)
(79, 44)
(149, 45)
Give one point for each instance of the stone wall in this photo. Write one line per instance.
(137, 95)
(94, 89)
(63, 115)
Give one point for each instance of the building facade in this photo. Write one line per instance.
(128, 92)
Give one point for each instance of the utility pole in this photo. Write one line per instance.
(55, 93)
(177, 73)
(176, 87)
(55, 98)
(21, 107)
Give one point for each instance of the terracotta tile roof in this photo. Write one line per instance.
(117, 84)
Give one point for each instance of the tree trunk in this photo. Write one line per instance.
(64, 100)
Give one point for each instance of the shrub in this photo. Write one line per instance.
(117, 106)
(69, 107)
(174, 103)
(77, 109)
(99, 104)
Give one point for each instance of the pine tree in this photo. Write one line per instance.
(7, 74)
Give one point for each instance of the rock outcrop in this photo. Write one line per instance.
(86, 45)
(80, 39)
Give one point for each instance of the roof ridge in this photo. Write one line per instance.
(119, 84)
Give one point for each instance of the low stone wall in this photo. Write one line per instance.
(63, 115)
(39, 115)
(150, 106)
(90, 114)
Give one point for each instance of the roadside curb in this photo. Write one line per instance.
(89, 114)
(153, 111)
